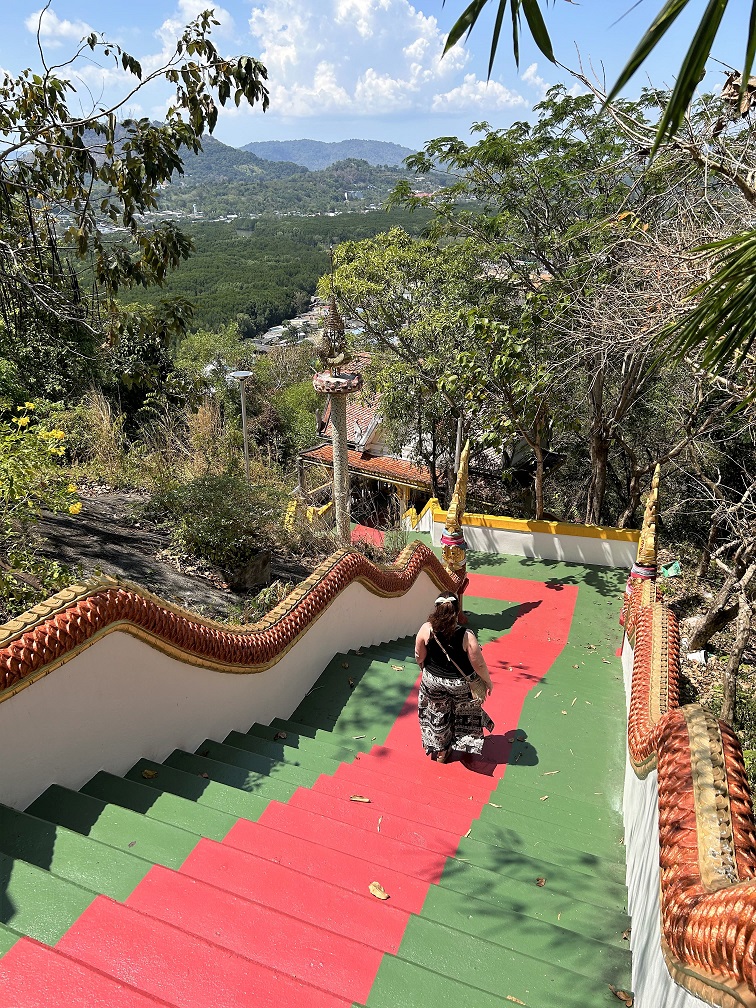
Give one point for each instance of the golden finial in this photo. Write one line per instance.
(453, 540)
(647, 544)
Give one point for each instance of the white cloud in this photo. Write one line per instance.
(188, 10)
(533, 78)
(53, 30)
(477, 94)
(364, 57)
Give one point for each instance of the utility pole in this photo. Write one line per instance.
(241, 377)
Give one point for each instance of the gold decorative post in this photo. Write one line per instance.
(453, 539)
(647, 545)
(337, 384)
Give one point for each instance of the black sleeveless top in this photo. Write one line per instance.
(437, 663)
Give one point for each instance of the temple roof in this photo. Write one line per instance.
(381, 467)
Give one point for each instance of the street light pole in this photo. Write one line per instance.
(241, 377)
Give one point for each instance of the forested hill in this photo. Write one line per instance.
(221, 181)
(316, 155)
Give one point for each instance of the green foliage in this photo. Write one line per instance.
(222, 518)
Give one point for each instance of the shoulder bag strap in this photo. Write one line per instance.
(468, 679)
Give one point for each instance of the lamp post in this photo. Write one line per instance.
(241, 377)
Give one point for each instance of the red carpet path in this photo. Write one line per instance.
(278, 912)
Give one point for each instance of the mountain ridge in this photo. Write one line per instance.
(319, 154)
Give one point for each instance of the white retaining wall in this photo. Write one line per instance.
(517, 539)
(121, 699)
(652, 985)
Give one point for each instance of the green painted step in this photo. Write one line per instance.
(529, 936)
(280, 753)
(35, 903)
(404, 983)
(69, 855)
(197, 789)
(508, 895)
(259, 766)
(160, 805)
(578, 817)
(516, 827)
(533, 786)
(234, 776)
(118, 827)
(495, 969)
(8, 939)
(302, 742)
(527, 867)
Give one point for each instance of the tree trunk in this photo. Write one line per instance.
(597, 488)
(719, 614)
(633, 501)
(730, 674)
(703, 563)
(538, 451)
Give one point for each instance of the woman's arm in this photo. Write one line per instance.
(421, 645)
(478, 662)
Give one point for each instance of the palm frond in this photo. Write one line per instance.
(530, 8)
(722, 326)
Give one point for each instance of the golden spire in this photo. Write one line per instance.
(453, 540)
(647, 544)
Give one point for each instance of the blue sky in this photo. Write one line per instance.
(363, 68)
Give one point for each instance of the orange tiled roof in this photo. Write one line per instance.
(383, 467)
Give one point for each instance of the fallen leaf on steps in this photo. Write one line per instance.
(357, 737)
(351, 683)
(626, 935)
(358, 797)
(622, 995)
(205, 775)
(540, 881)
(345, 664)
(538, 694)
(564, 712)
(280, 735)
(516, 1000)
(573, 702)
(550, 773)
(494, 804)
(544, 797)
(397, 668)
(380, 820)
(133, 843)
(468, 833)
(149, 774)
(378, 891)
(359, 652)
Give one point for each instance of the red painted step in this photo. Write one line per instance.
(265, 934)
(361, 775)
(374, 922)
(369, 816)
(442, 818)
(186, 971)
(446, 778)
(33, 975)
(348, 868)
(373, 846)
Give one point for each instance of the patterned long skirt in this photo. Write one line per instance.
(449, 717)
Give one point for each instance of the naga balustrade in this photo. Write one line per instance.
(707, 834)
(51, 633)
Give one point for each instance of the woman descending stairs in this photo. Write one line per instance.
(244, 874)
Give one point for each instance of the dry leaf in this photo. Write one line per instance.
(351, 683)
(359, 652)
(540, 881)
(573, 702)
(380, 820)
(358, 797)
(606, 661)
(559, 916)
(378, 891)
(537, 694)
(149, 774)
(133, 843)
(626, 935)
(372, 739)
(544, 797)
(564, 712)
(468, 833)
(576, 666)
(345, 664)
(516, 1000)
(279, 735)
(494, 804)
(397, 668)
(357, 737)
(205, 752)
(205, 775)
(550, 773)
(622, 995)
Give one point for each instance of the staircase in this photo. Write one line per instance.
(239, 875)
